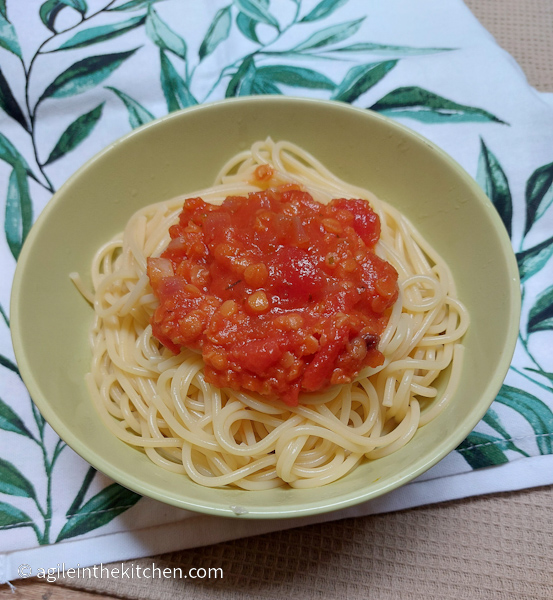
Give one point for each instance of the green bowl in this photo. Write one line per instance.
(183, 152)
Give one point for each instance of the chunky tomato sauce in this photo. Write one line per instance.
(281, 294)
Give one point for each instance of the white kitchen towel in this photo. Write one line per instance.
(77, 74)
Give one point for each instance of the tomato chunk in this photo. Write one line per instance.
(280, 293)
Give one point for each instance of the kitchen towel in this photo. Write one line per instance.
(76, 75)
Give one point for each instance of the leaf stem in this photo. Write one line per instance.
(32, 111)
(225, 71)
(524, 343)
(222, 74)
(4, 316)
(526, 376)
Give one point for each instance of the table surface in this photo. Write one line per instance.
(497, 546)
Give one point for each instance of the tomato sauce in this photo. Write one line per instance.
(280, 293)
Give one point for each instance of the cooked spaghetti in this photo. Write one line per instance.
(159, 401)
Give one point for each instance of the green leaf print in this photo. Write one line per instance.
(85, 74)
(3, 11)
(133, 5)
(492, 179)
(540, 372)
(262, 87)
(99, 510)
(13, 482)
(531, 261)
(387, 49)
(218, 32)
(491, 418)
(11, 517)
(9, 104)
(296, 77)
(78, 500)
(241, 82)
(19, 211)
(78, 131)
(540, 317)
(539, 194)
(95, 35)
(176, 92)
(10, 154)
(247, 26)
(330, 35)
(163, 36)
(481, 450)
(51, 8)
(417, 103)
(258, 11)
(10, 421)
(362, 78)
(138, 115)
(536, 412)
(322, 10)
(8, 36)
(6, 362)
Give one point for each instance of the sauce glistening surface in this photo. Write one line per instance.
(281, 294)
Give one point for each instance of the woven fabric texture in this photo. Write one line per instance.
(525, 29)
(493, 547)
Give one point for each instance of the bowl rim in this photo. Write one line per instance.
(144, 488)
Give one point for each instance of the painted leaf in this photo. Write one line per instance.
(241, 82)
(539, 194)
(138, 115)
(540, 372)
(492, 419)
(4, 316)
(8, 36)
(492, 179)
(9, 104)
(3, 11)
(94, 35)
(361, 78)
(39, 419)
(387, 49)
(247, 26)
(78, 131)
(133, 5)
(296, 77)
(417, 103)
(540, 317)
(11, 517)
(85, 74)
(176, 92)
(322, 10)
(163, 36)
(330, 35)
(258, 10)
(536, 412)
(99, 510)
(10, 421)
(6, 362)
(263, 87)
(13, 482)
(533, 260)
(481, 450)
(51, 8)
(218, 32)
(78, 500)
(10, 154)
(19, 211)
